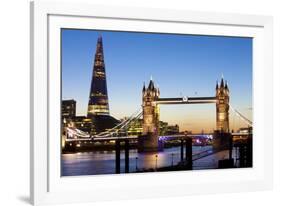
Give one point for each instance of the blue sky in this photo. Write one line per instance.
(180, 64)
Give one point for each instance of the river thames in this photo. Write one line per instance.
(103, 162)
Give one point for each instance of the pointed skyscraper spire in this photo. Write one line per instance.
(98, 99)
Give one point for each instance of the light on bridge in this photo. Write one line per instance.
(185, 99)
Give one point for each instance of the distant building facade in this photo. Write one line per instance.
(136, 128)
(68, 111)
(166, 129)
(85, 124)
(248, 130)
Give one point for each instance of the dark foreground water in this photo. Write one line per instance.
(103, 162)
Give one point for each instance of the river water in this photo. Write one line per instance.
(103, 162)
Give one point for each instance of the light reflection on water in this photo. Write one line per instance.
(103, 162)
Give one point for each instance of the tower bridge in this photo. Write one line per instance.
(150, 113)
(151, 102)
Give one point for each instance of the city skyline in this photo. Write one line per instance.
(182, 65)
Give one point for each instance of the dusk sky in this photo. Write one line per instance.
(182, 65)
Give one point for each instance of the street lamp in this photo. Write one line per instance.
(156, 162)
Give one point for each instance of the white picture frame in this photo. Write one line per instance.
(47, 186)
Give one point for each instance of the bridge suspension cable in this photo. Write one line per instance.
(237, 113)
(72, 131)
(117, 128)
(116, 131)
(77, 132)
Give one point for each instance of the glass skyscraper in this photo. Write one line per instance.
(98, 99)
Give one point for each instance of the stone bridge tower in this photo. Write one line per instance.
(222, 137)
(149, 139)
(222, 106)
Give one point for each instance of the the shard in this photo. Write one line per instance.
(98, 107)
(98, 99)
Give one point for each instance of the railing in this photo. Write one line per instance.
(203, 154)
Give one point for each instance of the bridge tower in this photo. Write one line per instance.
(149, 139)
(222, 136)
(222, 106)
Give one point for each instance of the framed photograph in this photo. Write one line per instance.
(143, 103)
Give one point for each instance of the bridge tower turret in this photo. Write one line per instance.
(222, 106)
(149, 139)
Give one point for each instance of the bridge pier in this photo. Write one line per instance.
(246, 153)
(70, 146)
(149, 143)
(188, 153)
(222, 140)
(230, 147)
(250, 151)
(127, 156)
(117, 157)
(181, 150)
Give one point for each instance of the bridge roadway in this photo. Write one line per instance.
(167, 137)
(187, 100)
